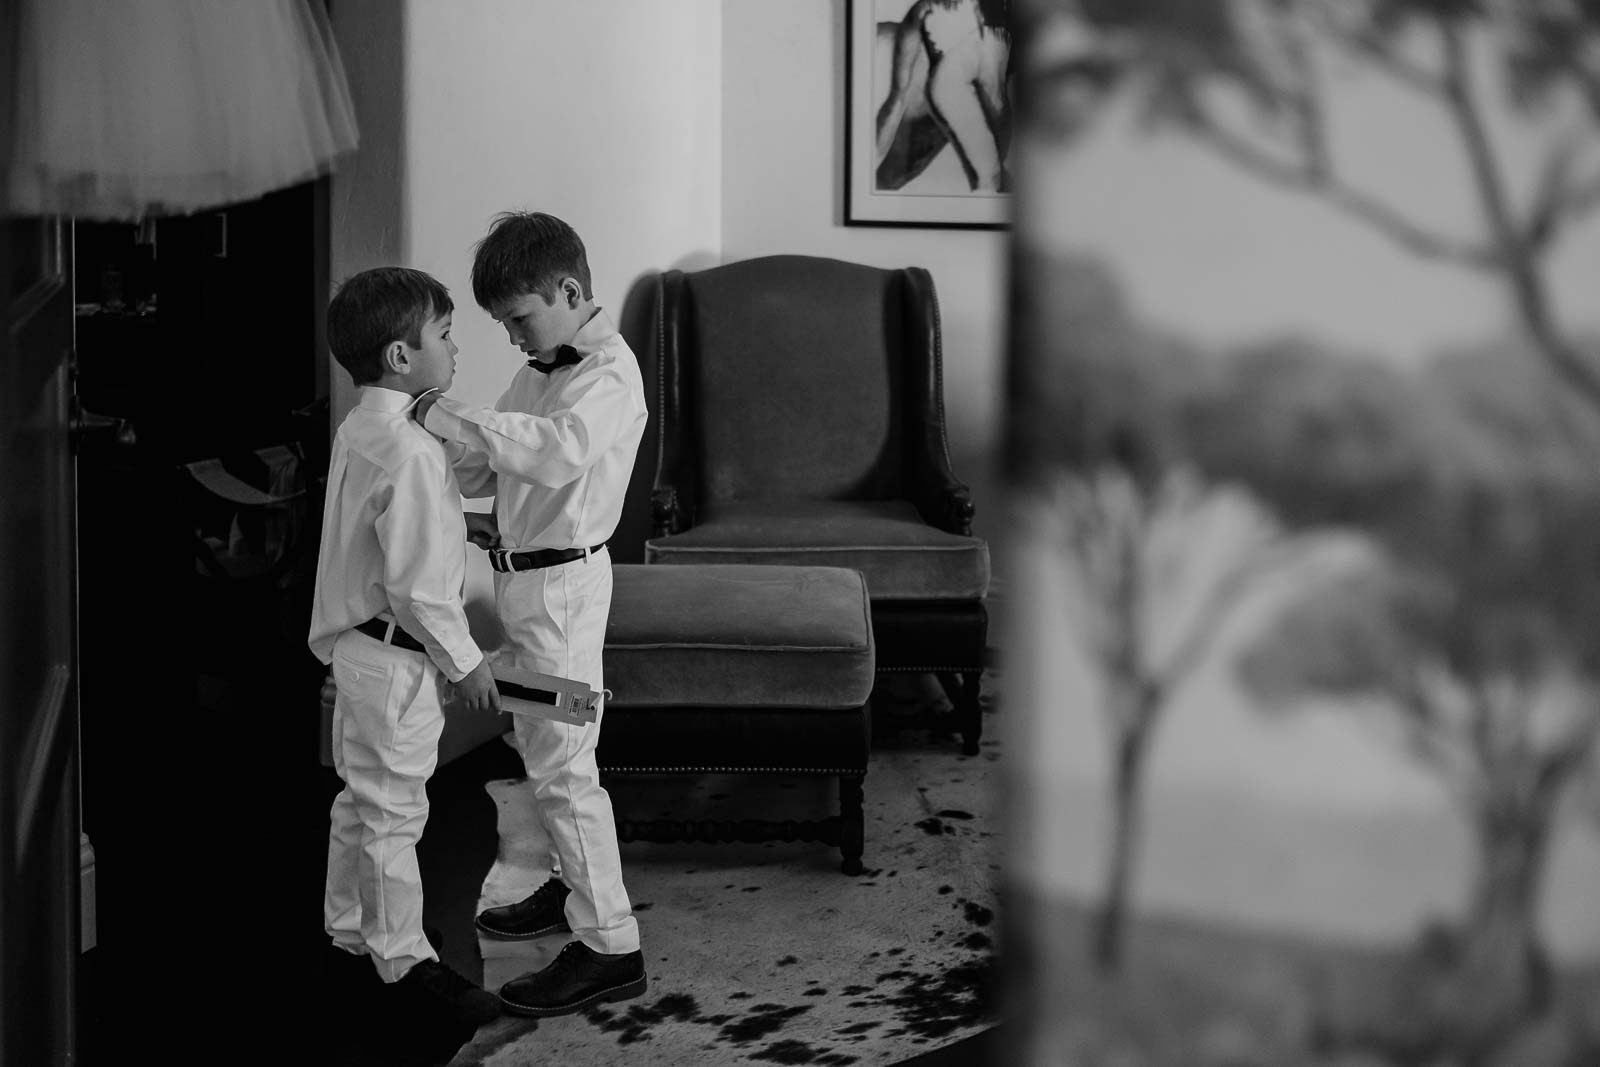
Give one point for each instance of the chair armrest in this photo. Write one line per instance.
(666, 512)
(939, 497)
(944, 502)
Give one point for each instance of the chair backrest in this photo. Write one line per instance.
(795, 377)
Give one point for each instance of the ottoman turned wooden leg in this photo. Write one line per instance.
(852, 823)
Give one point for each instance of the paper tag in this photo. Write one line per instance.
(546, 696)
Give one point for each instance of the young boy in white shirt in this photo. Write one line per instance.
(556, 452)
(388, 617)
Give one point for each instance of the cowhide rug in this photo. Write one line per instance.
(766, 952)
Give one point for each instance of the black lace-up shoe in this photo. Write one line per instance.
(433, 988)
(543, 912)
(578, 977)
(349, 970)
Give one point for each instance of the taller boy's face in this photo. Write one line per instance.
(433, 366)
(535, 325)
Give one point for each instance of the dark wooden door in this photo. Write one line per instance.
(40, 932)
(40, 834)
(202, 791)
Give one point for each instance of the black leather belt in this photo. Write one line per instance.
(534, 558)
(379, 630)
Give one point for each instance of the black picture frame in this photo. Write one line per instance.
(926, 179)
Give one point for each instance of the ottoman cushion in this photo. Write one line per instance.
(738, 635)
(738, 668)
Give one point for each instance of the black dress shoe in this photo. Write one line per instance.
(434, 989)
(542, 912)
(348, 968)
(578, 977)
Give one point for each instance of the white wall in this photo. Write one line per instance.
(678, 134)
(606, 114)
(368, 190)
(783, 188)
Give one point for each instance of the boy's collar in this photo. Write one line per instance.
(382, 398)
(593, 334)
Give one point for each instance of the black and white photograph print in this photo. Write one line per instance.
(928, 113)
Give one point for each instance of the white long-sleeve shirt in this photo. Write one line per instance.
(393, 539)
(557, 449)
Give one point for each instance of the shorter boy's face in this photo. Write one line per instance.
(536, 325)
(433, 366)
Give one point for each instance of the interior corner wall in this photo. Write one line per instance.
(669, 135)
(606, 113)
(783, 191)
(367, 219)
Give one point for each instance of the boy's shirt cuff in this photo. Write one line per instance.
(441, 421)
(463, 666)
(459, 653)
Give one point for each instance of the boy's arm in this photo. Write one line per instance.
(413, 533)
(473, 473)
(472, 470)
(547, 450)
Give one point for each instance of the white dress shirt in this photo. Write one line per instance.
(393, 539)
(557, 449)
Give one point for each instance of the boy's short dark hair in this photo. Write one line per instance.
(527, 252)
(374, 307)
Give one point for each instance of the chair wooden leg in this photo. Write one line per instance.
(971, 712)
(852, 823)
(962, 689)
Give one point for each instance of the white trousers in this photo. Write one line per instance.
(555, 623)
(386, 725)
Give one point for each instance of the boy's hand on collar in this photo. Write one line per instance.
(419, 407)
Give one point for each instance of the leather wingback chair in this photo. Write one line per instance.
(801, 421)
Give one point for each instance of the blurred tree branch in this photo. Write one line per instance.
(1177, 58)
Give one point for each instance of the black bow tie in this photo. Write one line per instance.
(566, 356)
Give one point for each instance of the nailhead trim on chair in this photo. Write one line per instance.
(926, 670)
(851, 771)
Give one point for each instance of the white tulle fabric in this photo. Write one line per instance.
(128, 108)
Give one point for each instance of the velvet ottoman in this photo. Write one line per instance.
(741, 668)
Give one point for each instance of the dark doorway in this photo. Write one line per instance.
(39, 818)
(201, 337)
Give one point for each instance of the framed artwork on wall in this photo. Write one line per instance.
(927, 113)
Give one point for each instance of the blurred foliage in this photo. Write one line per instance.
(1254, 82)
(1472, 621)
(1468, 620)
(1170, 53)
(1480, 467)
